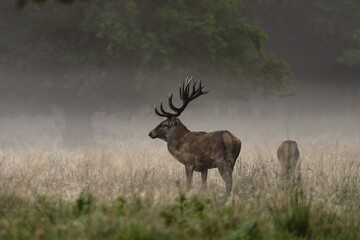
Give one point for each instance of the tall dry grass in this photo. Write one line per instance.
(329, 172)
(137, 187)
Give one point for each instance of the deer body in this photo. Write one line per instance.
(288, 155)
(198, 151)
(204, 150)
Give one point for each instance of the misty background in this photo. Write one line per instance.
(74, 73)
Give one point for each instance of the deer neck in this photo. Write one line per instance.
(175, 137)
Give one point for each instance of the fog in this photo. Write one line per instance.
(67, 80)
(313, 115)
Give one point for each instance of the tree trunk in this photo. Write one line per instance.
(78, 128)
(354, 100)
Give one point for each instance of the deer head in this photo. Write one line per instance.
(187, 93)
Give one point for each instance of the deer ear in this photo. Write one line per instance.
(173, 121)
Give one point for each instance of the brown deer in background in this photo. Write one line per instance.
(198, 151)
(288, 155)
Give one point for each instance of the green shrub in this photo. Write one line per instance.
(294, 215)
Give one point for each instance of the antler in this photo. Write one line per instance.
(162, 113)
(186, 95)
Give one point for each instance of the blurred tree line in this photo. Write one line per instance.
(115, 55)
(320, 40)
(95, 55)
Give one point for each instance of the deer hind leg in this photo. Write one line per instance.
(204, 179)
(189, 169)
(226, 174)
(285, 169)
(293, 166)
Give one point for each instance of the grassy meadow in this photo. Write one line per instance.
(135, 191)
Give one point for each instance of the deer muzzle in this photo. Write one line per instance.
(152, 134)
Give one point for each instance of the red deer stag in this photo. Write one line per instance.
(288, 155)
(198, 151)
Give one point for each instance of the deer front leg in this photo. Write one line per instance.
(189, 169)
(204, 179)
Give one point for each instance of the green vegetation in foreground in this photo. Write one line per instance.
(294, 216)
